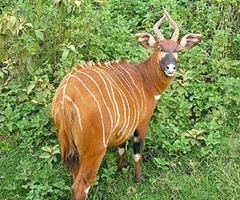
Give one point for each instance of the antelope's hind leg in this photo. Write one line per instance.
(122, 149)
(88, 170)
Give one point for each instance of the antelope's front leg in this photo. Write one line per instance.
(122, 149)
(137, 149)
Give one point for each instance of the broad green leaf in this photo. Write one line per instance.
(39, 34)
(235, 62)
(200, 137)
(3, 55)
(40, 96)
(78, 3)
(73, 49)
(30, 88)
(30, 68)
(65, 54)
(56, 152)
(1, 75)
(13, 20)
(46, 148)
(45, 155)
(29, 24)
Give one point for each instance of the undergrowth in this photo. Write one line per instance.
(192, 149)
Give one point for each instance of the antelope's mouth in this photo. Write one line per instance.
(169, 70)
(169, 74)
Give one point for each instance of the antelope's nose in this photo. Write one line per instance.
(171, 68)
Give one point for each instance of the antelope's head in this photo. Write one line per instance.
(166, 50)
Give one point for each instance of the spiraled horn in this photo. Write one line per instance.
(174, 25)
(157, 31)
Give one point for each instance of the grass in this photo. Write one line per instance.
(205, 97)
(215, 177)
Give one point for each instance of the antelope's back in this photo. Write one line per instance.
(103, 102)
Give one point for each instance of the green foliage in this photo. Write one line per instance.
(50, 154)
(41, 40)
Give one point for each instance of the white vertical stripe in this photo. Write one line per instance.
(111, 97)
(99, 107)
(133, 97)
(60, 87)
(125, 126)
(123, 99)
(135, 87)
(100, 91)
(142, 87)
(64, 92)
(82, 66)
(77, 109)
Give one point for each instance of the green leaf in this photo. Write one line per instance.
(3, 55)
(195, 142)
(65, 54)
(78, 3)
(46, 148)
(45, 155)
(56, 151)
(201, 137)
(40, 96)
(30, 68)
(161, 161)
(1, 75)
(29, 24)
(30, 88)
(13, 20)
(73, 49)
(39, 34)
(235, 62)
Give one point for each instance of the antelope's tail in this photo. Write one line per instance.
(63, 121)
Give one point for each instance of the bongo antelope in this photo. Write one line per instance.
(99, 106)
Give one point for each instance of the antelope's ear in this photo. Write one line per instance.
(146, 40)
(189, 41)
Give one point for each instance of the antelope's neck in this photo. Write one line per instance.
(155, 81)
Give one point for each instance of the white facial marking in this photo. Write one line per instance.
(121, 151)
(136, 157)
(87, 190)
(157, 97)
(171, 69)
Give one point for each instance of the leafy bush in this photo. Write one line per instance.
(41, 40)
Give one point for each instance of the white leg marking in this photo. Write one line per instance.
(121, 151)
(87, 190)
(136, 157)
(136, 139)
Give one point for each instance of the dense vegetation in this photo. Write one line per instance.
(192, 150)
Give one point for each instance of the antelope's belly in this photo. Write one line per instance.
(121, 135)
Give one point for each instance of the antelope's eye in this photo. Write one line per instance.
(179, 48)
(160, 48)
